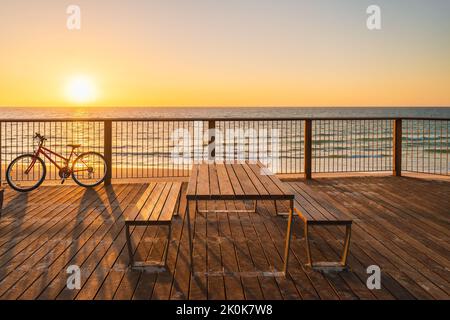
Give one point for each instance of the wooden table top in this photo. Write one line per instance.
(235, 181)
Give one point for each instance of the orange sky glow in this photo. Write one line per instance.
(228, 53)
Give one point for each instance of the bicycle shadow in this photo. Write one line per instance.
(91, 213)
(93, 218)
(12, 221)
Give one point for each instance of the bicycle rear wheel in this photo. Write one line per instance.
(26, 172)
(89, 169)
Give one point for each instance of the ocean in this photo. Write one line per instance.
(208, 112)
(142, 149)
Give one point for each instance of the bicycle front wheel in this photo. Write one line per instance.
(26, 172)
(89, 169)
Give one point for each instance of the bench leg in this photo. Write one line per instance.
(130, 248)
(307, 245)
(188, 217)
(348, 232)
(288, 239)
(177, 209)
(277, 212)
(329, 266)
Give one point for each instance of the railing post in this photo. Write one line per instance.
(108, 150)
(211, 140)
(308, 149)
(397, 148)
(1, 164)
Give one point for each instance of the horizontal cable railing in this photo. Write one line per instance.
(147, 148)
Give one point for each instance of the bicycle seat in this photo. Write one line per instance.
(74, 146)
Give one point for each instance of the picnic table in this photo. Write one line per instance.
(211, 181)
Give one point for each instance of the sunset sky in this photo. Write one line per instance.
(225, 53)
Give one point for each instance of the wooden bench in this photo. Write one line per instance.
(314, 209)
(156, 207)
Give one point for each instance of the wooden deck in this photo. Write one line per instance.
(400, 224)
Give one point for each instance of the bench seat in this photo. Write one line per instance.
(156, 207)
(314, 209)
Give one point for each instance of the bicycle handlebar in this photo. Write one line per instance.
(39, 136)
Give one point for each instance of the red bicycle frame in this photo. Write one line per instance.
(47, 154)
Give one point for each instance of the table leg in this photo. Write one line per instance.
(288, 237)
(166, 252)
(348, 232)
(129, 246)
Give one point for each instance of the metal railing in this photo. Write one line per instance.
(426, 146)
(352, 145)
(147, 148)
(16, 138)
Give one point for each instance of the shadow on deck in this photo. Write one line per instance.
(400, 224)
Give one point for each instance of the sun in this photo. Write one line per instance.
(80, 89)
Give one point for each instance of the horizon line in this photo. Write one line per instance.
(220, 107)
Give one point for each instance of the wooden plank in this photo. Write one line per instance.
(237, 188)
(226, 189)
(178, 260)
(213, 180)
(270, 186)
(244, 180)
(171, 203)
(322, 203)
(159, 206)
(192, 185)
(232, 281)
(131, 213)
(313, 211)
(284, 188)
(216, 286)
(198, 289)
(255, 180)
(144, 212)
(203, 180)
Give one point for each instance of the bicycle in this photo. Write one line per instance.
(87, 170)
